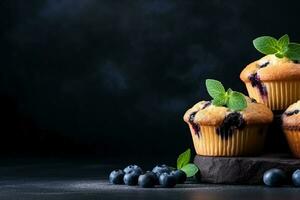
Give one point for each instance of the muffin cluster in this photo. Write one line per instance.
(273, 83)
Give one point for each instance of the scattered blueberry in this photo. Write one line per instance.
(135, 168)
(167, 180)
(159, 169)
(274, 177)
(116, 177)
(154, 176)
(180, 176)
(131, 178)
(147, 180)
(296, 178)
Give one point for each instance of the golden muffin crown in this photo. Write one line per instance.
(205, 113)
(270, 68)
(291, 117)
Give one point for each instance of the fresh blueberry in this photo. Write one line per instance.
(159, 169)
(154, 176)
(274, 177)
(180, 176)
(116, 177)
(167, 180)
(131, 178)
(296, 178)
(147, 180)
(135, 168)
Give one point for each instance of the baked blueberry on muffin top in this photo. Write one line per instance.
(191, 119)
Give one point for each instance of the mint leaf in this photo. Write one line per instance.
(283, 41)
(220, 100)
(190, 169)
(281, 47)
(214, 88)
(279, 55)
(231, 99)
(229, 91)
(183, 158)
(293, 51)
(266, 44)
(237, 101)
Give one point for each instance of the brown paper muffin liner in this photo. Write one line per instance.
(292, 135)
(281, 94)
(247, 141)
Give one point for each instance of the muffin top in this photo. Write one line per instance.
(205, 113)
(271, 68)
(291, 117)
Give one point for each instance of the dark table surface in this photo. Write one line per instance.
(85, 179)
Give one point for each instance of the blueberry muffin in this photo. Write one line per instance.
(274, 79)
(219, 131)
(291, 127)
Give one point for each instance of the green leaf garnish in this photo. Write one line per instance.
(190, 169)
(229, 91)
(294, 51)
(284, 41)
(237, 101)
(281, 47)
(266, 44)
(220, 101)
(214, 88)
(183, 163)
(183, 158)
(233, 100)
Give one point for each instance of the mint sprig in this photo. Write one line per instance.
(183, 163)
(281, 47)
(183, 159)
(190, 169)
(233, 100)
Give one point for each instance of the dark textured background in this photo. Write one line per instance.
(115, 77)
